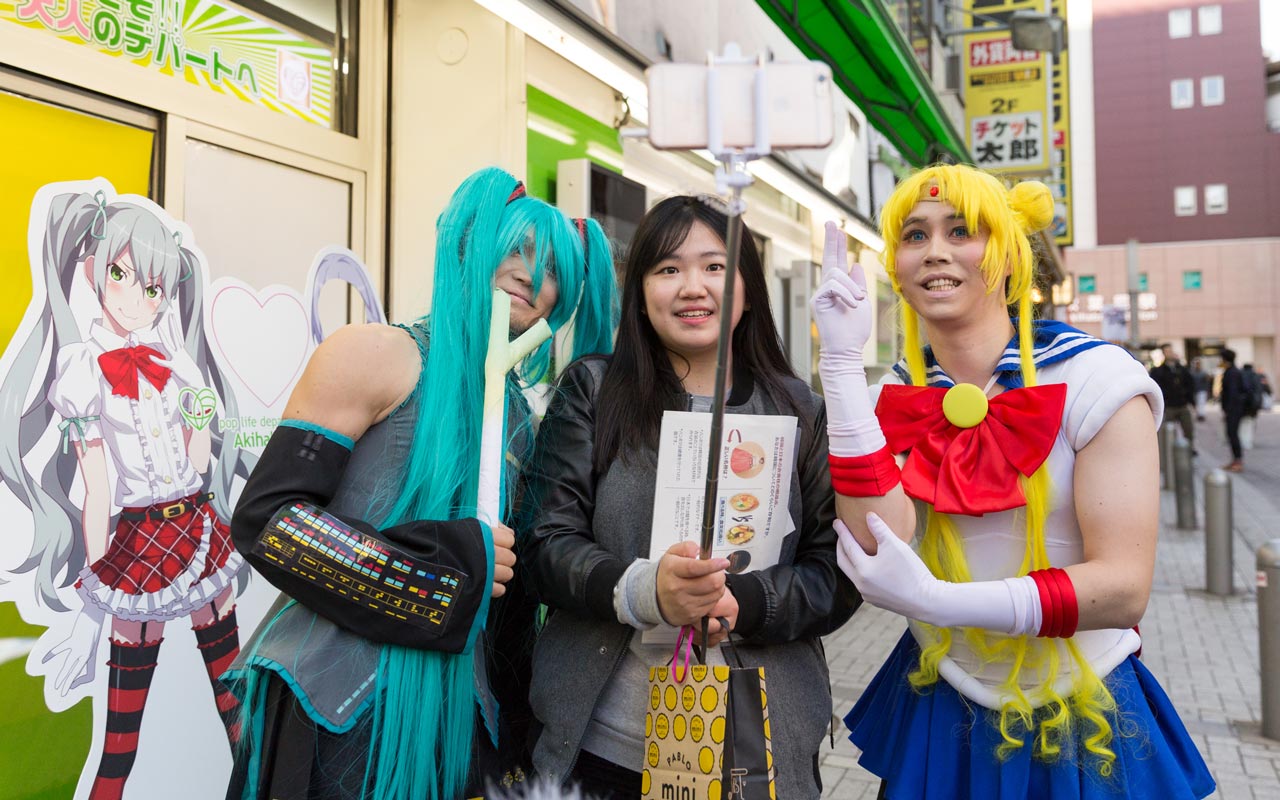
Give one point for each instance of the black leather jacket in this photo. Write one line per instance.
(590, 527)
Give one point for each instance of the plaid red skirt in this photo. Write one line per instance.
(167, 567)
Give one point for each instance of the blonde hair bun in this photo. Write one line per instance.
(1032, 202)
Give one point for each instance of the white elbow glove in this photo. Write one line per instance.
(842, 312)
(897, 580)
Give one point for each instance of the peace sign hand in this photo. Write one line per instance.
(841, 308)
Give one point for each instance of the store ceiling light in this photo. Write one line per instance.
(566, 44)
(822, 208)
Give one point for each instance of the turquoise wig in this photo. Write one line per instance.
(425, 722)
(599, 308)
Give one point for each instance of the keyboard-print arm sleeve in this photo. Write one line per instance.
(422, 584)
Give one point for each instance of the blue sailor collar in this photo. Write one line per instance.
(1053, 341)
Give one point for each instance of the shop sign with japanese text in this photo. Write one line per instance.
(1060, 173)
(1006, 99)
(204, 43)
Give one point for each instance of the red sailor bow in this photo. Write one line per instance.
(121, 368)
(968, 463)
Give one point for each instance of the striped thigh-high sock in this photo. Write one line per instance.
(219, 644)
(131, 669)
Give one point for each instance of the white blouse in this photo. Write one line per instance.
(145, 437)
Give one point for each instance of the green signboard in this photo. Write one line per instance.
(203, 43)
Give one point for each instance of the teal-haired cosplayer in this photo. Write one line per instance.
(385, 647)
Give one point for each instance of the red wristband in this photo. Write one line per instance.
(1070, 606)
(872, 475)
(1060, 612)
(1048, 609)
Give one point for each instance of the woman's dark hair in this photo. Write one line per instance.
(640, 383)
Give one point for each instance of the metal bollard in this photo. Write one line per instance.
(1218, 531)
(1184, 485)
(1269, 635)
(1168, 436)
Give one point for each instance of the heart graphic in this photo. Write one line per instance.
(263, 337)
(197, 407)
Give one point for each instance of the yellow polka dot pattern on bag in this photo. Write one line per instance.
(685, 732)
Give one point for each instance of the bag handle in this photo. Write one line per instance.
(730, 647)
(685, 630)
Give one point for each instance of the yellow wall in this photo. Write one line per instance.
(70, 146)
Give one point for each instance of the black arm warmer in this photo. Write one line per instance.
(420, 584)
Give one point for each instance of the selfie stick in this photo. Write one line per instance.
(731, 175)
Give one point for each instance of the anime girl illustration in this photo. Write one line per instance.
(130, 503)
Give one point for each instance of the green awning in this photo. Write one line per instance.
(875, 66)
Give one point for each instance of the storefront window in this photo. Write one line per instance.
(887, 344)
(328, 93)
(912, 18)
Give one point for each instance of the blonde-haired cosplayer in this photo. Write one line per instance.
(1028, 449)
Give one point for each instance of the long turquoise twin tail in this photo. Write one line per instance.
(423, 725)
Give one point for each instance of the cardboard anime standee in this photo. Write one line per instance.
(127, 428)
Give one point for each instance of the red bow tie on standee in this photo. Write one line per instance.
(970, 468)
(121, 368)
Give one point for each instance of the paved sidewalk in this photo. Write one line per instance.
(1202, 648)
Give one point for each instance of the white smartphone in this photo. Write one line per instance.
(799, 104)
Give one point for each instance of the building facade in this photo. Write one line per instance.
(1185, 163)
(275, 128)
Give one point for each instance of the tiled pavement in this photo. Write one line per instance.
(1202, 648)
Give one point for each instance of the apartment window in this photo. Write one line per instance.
(1088, 284)
(1215, 198)
(1143, 284)
(1182, 93)
(1184, 201)
(1191, 280)
(1210, 20)
(1179, 23)
(1212, 91)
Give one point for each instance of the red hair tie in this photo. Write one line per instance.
(517, 192)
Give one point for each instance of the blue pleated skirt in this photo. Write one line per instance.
(935, 745)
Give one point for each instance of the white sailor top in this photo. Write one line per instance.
(145, 436)
(1100, 378)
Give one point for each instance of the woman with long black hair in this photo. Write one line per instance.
(592, 488)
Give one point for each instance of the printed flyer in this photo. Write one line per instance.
(757, 458)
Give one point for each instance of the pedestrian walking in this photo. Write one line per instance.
(1204, 385)
(1178, 388)
(1253, 400)
(1233, 398)
(1032, 452)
